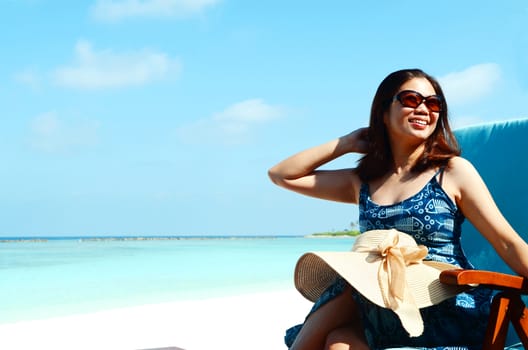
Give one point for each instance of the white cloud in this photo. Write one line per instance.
(115, 10)
(107, 69)
(50, 134)
(248, 111)
(465, 120)
(471, 84)
(28, 77)
(233, 125)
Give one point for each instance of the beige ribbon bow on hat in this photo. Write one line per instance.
(393, 282)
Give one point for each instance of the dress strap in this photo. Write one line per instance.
(440, 174)
(364, 193)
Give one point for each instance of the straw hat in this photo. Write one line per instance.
(387, 268)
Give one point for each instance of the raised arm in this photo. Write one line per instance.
(299, 172)
(477, 204)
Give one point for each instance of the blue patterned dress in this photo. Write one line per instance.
(432, 218)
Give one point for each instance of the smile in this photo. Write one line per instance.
(418, 121)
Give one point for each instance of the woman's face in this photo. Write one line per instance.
(407, 124)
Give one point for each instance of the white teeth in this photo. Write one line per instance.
(418, 121)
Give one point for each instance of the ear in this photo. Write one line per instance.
(386, 115)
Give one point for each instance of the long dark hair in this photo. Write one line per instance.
(439, 147)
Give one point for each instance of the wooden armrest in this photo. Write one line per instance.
(493, 280)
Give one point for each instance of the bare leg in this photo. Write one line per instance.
(349, 337)
(329, 326)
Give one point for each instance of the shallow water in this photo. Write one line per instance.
(60, 277)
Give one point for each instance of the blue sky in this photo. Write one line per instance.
(163, 116)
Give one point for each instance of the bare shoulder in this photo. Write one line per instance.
(460, 177)
(459, 167)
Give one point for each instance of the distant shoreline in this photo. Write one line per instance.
(336, 234)
(44, 239)
(136, 238)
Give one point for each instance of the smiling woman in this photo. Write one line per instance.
(411, 179)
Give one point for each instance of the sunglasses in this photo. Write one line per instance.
(412, 99)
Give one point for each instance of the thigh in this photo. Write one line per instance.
(336, 313)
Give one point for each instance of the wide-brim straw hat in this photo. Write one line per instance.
(387, 268)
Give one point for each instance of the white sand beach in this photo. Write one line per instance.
(253, 321)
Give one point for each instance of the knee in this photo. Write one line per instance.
(338, 339)
(350, 337)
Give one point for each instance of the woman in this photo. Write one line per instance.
(410, 178)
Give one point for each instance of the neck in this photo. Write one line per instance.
(405, 158)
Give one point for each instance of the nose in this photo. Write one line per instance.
(422, 108)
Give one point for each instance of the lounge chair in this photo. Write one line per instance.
(499, 152)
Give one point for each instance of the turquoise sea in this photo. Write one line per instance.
(48, 277)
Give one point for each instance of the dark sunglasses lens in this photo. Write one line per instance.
(410, 99)
(413, 99)
(434, 104)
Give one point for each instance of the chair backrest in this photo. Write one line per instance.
(499, 151)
